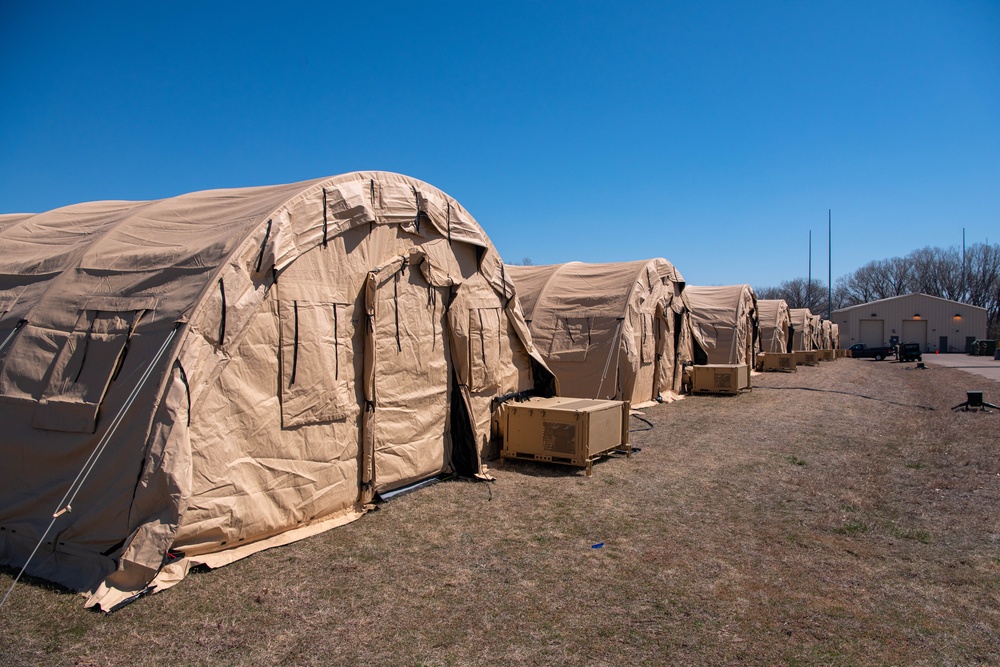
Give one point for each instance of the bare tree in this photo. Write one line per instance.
(798, 293)
(934, 271)
(861, 285)
(937, 272)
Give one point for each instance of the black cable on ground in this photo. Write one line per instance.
(645, 421)
(848, 393)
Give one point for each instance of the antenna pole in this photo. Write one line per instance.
(829, 264)
(809, 280)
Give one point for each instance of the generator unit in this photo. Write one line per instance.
(570, 431)
(806, 357)
(720, 378)
(778, 361)
(826, 355)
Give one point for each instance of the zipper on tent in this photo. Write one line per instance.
(503, 279)
(371, 223)
(336, 345)
(222, 319)
(86, 346)
(499, 334)
(416, 200)
(260, 256)
(187, 389)
(449, 223)
(324, 219)
(295, 343)
(395, 301)
(482, 336)
(128, 339)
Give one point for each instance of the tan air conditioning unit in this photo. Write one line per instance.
(570, 431)
(720, 378)
(779, 361)
(806, 357)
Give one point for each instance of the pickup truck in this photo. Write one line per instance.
(860, 350)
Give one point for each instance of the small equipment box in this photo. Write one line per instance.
(779, 361)
(570, 431)
(720, 378)
(806, 357)
(825, 355)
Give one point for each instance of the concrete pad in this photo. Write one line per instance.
(984, 366)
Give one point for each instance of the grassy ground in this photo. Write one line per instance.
(840, 515)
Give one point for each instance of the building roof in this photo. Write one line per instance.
(909, 296)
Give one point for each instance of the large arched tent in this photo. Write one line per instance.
(229, 370)
(802, 322)
(725, 318)
(775, 326)
(613, 331)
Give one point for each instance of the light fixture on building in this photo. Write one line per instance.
(916, 316)
(958, 317)
(874, 314)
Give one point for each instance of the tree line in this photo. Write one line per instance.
(934, 271)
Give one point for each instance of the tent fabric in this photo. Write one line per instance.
(613, 331)
(835, 335)
(826, 335)
(725, 318)
(254, 365)
(802, 321)
(775, 325)
(817, 332)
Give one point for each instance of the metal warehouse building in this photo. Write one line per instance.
(937, 324)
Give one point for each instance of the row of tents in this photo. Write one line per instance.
(191, 380)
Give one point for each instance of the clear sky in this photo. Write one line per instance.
(715, 134)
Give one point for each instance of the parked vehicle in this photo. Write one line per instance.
(909, 352)
(860, 350)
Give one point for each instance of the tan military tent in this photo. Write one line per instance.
(229, 370)
(817, 331)
(802, 322)
(775, 326)
(725, 318)
(826, 335)
(835, 335)
(616, 331)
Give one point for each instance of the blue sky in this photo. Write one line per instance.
(715, 134)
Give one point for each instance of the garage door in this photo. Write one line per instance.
(915, 331)
(872, 332)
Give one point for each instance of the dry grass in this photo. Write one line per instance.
(827, 518)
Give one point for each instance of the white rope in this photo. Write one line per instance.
(607, 362)
(11, 334)
(66, 504)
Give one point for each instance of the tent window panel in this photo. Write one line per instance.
(571, 339)
(83, 370)
(647, 348)
(317, 362)
(485, 349)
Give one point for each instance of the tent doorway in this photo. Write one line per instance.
(409, 377)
